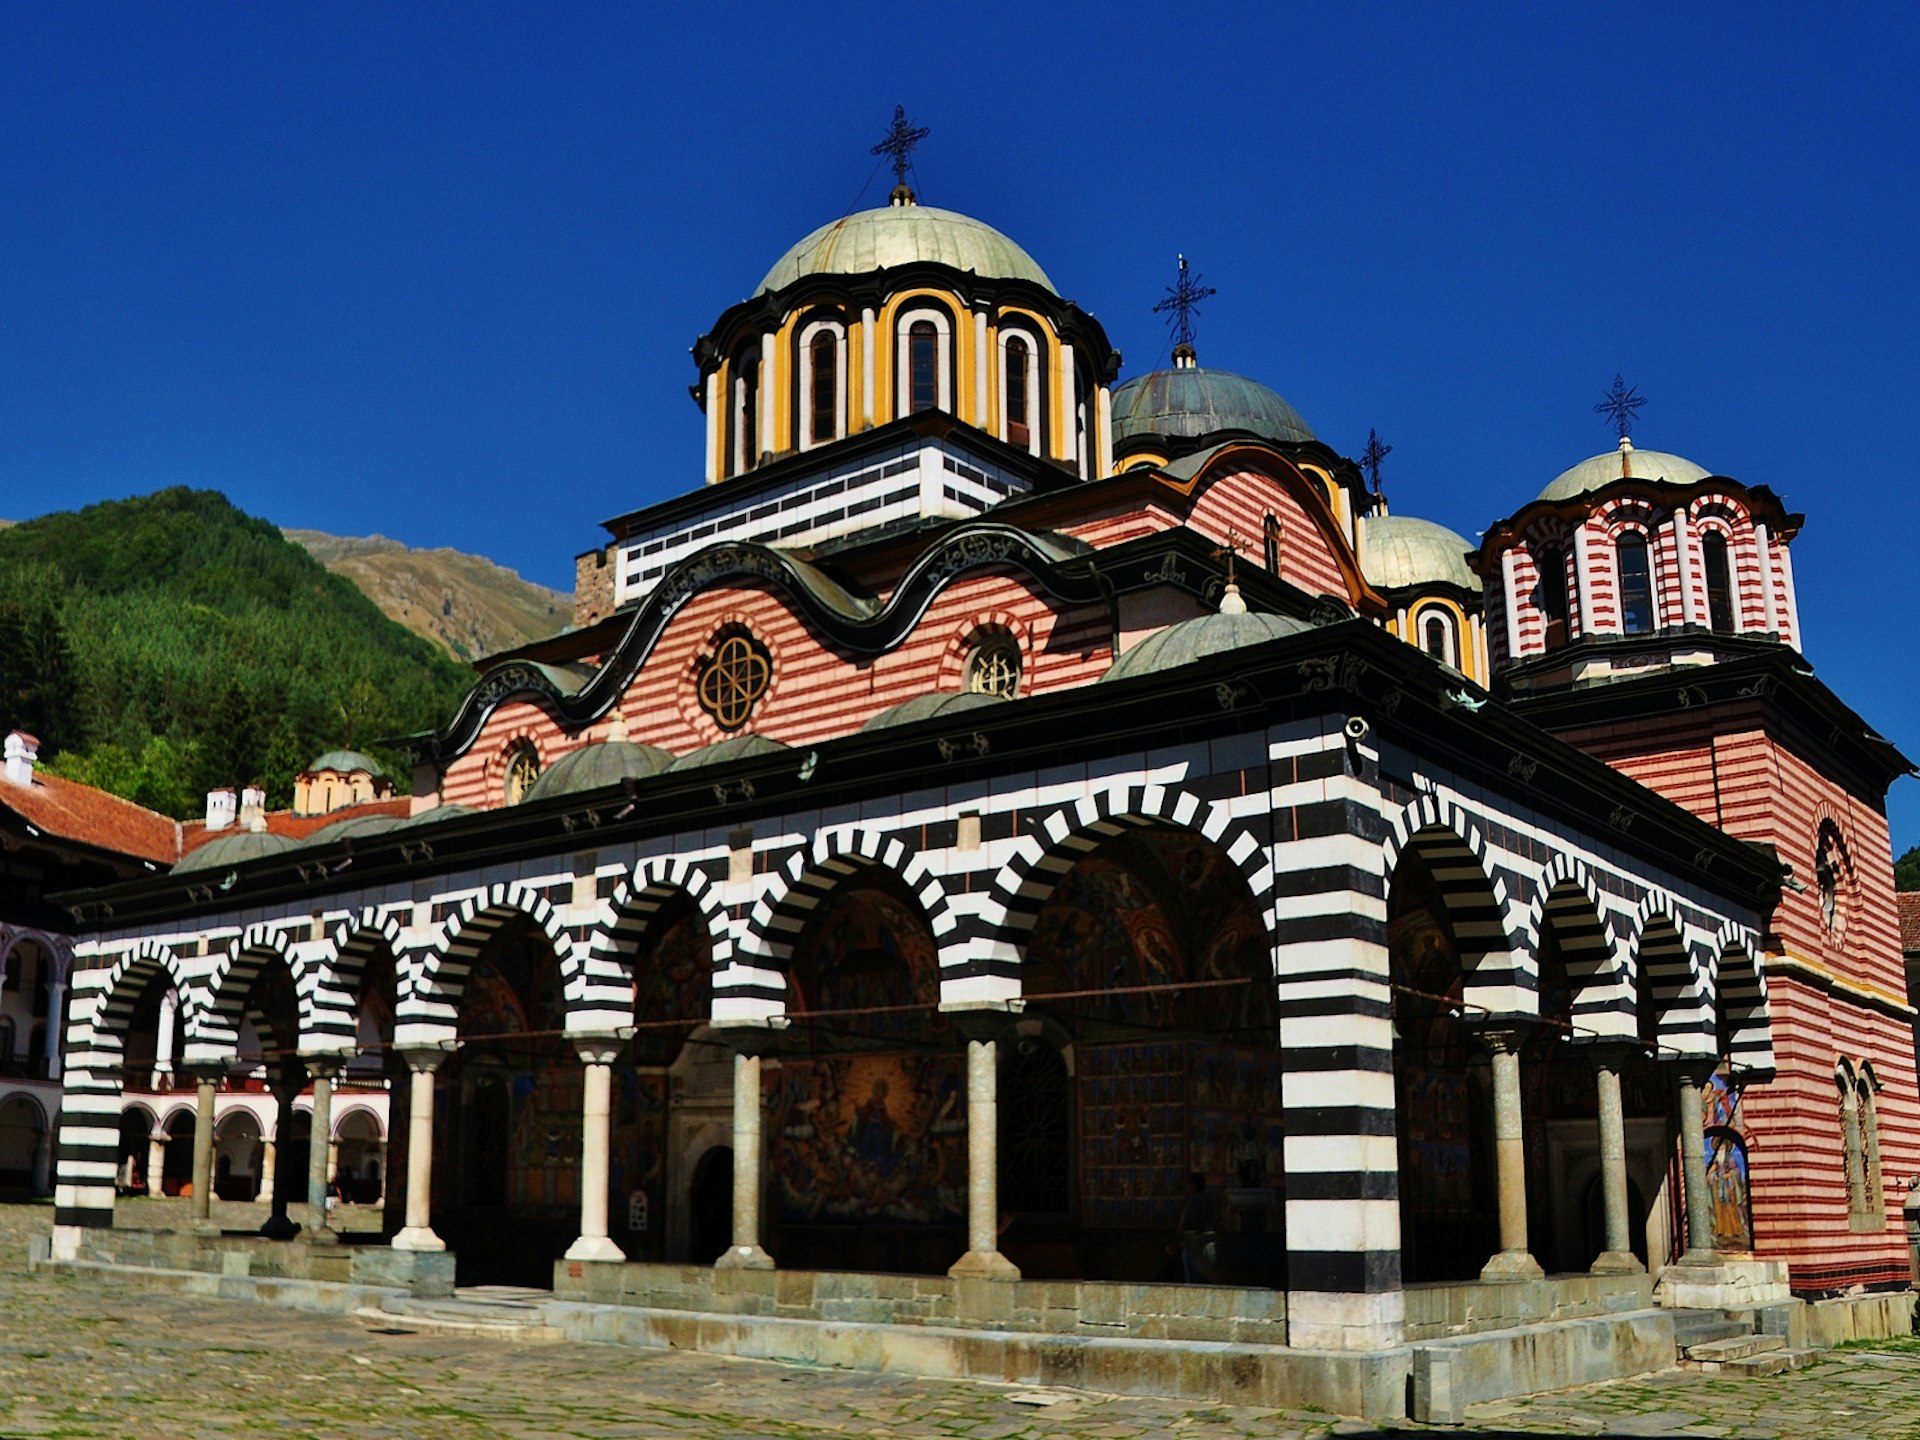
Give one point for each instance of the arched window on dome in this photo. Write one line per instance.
(1635, 569)
(1721, 610)
(822, 364)
(1019, 377)
(746, 410)
(1551, 561)
(1438, 638)
(924, 367)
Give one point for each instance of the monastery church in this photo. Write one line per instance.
(1027, 851)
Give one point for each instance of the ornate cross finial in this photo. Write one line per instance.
(1231, 550)
(1620, 405)
(1183, 304)
(1371, 457)
(902, 136)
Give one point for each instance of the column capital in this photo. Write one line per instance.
(203, 1072)
(752, 1038)
(424, 1060)
(598, 1049)
(985, 1020)
(325, 1066)
(1694, 1070)
(1502, 1034)
(1609, 1054)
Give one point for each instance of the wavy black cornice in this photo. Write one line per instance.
(864, 627)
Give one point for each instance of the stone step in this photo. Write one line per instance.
(476, 1322)
(1735, 1347)
(1704, 1329)
(1770, 1362)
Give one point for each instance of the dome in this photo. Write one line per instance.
(1626, 463)
(437, 814)
(1193, 640)
(353, 828)
(1189, 402)
(1403, 551)
(235, 849)
(925, 707)
(736, 747)
(899, 235)
(345, 762)
(598, 767)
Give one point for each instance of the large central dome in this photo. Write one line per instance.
(899, 235)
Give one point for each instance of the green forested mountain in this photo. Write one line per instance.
(166, 645)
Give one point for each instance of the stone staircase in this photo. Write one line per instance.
(1715, 1343)
(479, 1312)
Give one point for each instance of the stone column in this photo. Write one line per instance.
(43, 1162)
(157, 1162)
(319, 1146)
(333, 1161)
(163, 1042)
(1618, 1258)
(418, 1232)
(1514, 1262)
(56, 1027)
(279, 1225)
(983, 1259)
(596, 1134)
(205, 1083)
(268, 1167)
(749, 1043)
(380, 1154)
(1693, 1165)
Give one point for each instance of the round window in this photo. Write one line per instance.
(523, 768)
(994, 668)
(733, 679)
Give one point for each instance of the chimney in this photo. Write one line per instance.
(253, 809)
(220, 809)
(22, 751)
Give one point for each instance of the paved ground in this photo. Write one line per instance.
(84, 1359)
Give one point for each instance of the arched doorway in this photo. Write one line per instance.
(710, 1206)
(867, 1155)
(1150, 960)
(237, 1155)
(21, 1126)
(1443, 1106)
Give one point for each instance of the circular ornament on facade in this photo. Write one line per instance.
(994, 668)
(733, 679)
(523, 768)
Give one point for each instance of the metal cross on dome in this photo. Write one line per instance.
(1620, 405)
(1371, 457)
(1183, 302)
(902, 136)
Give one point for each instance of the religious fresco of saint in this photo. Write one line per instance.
(872, 1137)
(1728, 1182)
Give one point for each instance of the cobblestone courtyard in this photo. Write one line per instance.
(86, 1359)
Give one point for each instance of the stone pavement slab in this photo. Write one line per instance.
(83, 1358)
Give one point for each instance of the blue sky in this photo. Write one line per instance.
(433, 271)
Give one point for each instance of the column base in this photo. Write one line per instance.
(418, 1237)
(744, 1257)
(1718, 1282)
(322, 1235)
(279, 1227)
(984, 1265)
(1512, 1265)
(1617, 1262)
(203, 1225)
(598, 1247)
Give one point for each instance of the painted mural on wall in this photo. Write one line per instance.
(1728, 1181)
(869, 951)
(673, 981)
(871, 1137)
(637, 1159)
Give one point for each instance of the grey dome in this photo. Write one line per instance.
(437, 814)
(925, 707)
(346, 762)
(1193, 640)
(1188, 403)
(235, 849)
(598, 767)
(899, 235)
(353, 828)
(1403, 551)
(1626, 463)
(735, 747)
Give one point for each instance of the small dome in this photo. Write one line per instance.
(235, 849)
(353, 828)
(1193, 640)
(1402, 551)
(1188, 402)
(598, 767)
(925, 707)
(899, 235)
(436, 815)
(736, 747)
(345, 762)
(1626, 463)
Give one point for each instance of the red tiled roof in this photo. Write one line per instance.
(69, 810)
(1909, 920)
(298, 827)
